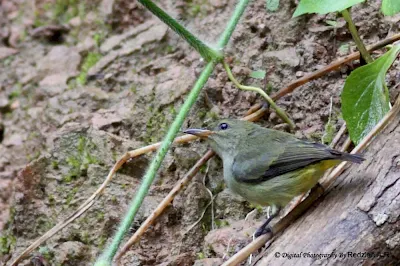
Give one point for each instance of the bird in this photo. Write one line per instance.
(268, 167)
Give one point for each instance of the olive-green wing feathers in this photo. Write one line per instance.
(293, 155)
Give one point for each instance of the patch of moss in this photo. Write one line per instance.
(85, 237)
(54, 165)
(7, 241)
(15, 93)
(43, 224)
(114, 199)
(7, 61)
(59, 11)
(221, 223)
(71, 195)
(80, 161)
(90, 60)
(100, 216)
(102, 241)
(133, 88)
(46, 253)
(99, 37)
(197, 8)
(51, 199)
(201, 256)
(156, 127)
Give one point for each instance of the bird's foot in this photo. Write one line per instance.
(262, 231)
(265, 105)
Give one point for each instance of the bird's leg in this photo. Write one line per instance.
(264, 228)
(265, 105)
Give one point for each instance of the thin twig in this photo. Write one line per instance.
(315, 193)
(340, 133)
(278, 110)
(345, 145)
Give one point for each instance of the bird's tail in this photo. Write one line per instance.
(355, 158)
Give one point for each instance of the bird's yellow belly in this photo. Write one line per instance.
(281, 189)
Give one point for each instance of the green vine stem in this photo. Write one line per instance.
(208, 53)
(360, 45)
(107, 257)
(271, 102)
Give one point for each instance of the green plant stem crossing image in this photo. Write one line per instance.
(228, 132)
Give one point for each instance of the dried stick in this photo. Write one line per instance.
(315, 193)
(340, 133)
(333, 66)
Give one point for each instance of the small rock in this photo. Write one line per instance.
(185, 259)
(154, 34)
(75, 22)
(208, 262)
(380, 218)
(58, 65)
(53, 81)
(241, 71)
(282, 127)
(87, 44)
(231, 205)
(185, 157)
(394, 241)
(104, 119)
(106, 7)
(236, 236)
(298, 116)
(6, 52)
(6, 188)
(13, 140)
(4, 105)
(287, 56)
(218, 3)
(311, 130)
(116, 40)
(299, 74)
(167, 92)
(71, 252)
(91, 17)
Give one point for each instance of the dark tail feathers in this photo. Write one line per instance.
(355, 158)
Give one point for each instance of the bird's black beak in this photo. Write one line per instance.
(203, 133)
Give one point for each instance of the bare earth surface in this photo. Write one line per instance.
(60, 135)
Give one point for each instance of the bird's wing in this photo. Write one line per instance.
(294, 155)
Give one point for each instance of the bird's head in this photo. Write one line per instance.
(224, 135)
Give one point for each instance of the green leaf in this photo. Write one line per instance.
(390, 7)
(365, 98)
(272, 5)
(332, 23)
(258, 74)
(324, 6)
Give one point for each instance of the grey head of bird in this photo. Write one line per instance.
(225, 135)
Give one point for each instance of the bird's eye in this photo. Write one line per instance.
(223, 126)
